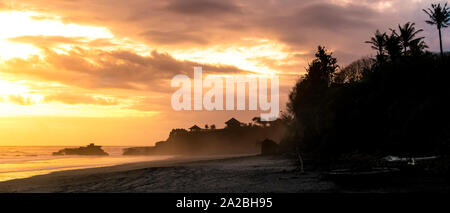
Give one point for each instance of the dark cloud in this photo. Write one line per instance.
(301, 24)
(202, 7)
(316, 23)
(334, 17)
(174, 37)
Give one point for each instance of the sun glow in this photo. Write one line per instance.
(8, 88)
(16, 99)
(10, 50)
(244, 57)
(16, 24)
(65, 110)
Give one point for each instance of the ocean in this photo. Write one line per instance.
(26, 161)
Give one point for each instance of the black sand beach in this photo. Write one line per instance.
(238, 174)
(204, 174)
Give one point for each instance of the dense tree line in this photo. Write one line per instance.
(394, 103)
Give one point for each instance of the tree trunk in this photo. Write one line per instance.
(440, 43)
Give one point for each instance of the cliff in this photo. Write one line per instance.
(230, 140)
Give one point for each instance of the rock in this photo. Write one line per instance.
(90, 149)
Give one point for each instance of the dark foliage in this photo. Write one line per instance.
(439, 16)
(397, 107)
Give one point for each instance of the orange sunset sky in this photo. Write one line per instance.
(80, 71)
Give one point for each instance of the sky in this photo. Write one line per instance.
(79, 71)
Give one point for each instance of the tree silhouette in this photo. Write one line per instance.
(408, 35)
(374, 109)
(355, 71)
(378, 41)
(322, 68)
(417, 47)
(439, 16)
(393, 46)
(308, 90)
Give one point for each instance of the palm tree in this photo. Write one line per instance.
(378, 41)
(439, 16)
(417, 46)
(393, 45)
(407, 34)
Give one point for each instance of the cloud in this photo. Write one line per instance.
(334, 17)
(174, 37)
(3, 6)
(176, 25)
(300, 24)
(53, 41)
(202, 7)
(94, 69)
(151, 103)
(79, 99)
(20, 100)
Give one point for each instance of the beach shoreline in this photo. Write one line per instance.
(207, 174)
(245, 173)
